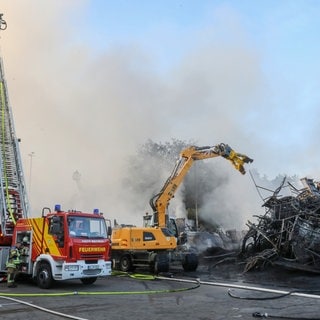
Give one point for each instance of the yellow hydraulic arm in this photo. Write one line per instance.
(160, 202)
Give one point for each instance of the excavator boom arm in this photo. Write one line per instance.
(160, 202)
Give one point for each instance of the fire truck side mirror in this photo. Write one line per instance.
(45, 211)
(109, 231)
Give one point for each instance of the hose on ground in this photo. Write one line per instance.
(9, 296)
(43, 309)
(284, 294)
(267, 315)
(280, 293)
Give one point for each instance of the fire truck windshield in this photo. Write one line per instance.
(87, 227)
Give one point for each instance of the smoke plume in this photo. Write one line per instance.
(86, 109)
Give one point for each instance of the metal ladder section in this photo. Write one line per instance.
(14, 203)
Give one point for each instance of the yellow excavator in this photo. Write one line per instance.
(156, 244)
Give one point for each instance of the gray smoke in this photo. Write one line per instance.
(79, 108)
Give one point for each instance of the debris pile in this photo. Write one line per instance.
(288, 234)
(208, 240)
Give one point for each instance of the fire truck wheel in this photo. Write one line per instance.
(190, 262)
(126, 263)
(88, 280)
(44, 276)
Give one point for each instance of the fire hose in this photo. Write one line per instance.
(280, 294)
(266, 315)
(196, 284)
(9, 296)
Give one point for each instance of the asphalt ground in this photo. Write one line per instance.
(212, 292)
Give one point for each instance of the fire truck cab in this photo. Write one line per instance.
(63, 246)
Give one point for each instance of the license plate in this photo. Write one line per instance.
(93, 266)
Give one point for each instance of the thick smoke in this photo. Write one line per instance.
(83, 109)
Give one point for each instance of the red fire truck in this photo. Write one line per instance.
(64, 245)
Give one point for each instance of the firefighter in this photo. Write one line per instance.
(24, 249)
(24, 253)
(13, 265)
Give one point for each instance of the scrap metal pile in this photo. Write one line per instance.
(288, 234)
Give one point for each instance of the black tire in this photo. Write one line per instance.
(44, 276)
(161, 263)
(88, 281)
(190, 262)
(126, 263)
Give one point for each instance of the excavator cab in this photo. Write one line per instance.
(147, 220)
(172, 226)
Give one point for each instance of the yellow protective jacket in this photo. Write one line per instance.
(14, 258)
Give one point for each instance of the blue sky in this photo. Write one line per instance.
(113, 74)
(282, 30)
(285, 35)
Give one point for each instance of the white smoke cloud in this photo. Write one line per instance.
(83, 109)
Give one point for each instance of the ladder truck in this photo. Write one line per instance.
(14, 203)
(62, 245)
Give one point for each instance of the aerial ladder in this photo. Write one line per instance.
(62, 245)
(14, 202)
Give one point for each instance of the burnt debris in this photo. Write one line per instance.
(288, 234)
